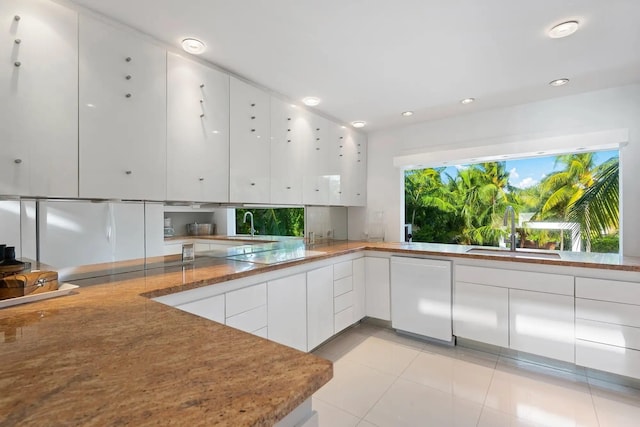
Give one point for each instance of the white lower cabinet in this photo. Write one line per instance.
(320, 312)
(249, 321)
(608, 325)
(343, 295)
(421, 296)
(481, 313)
(359, 290)
(506, 308)
(378, 289)
(542, 324)
(287, 302)
(246, 308)
(211, 308)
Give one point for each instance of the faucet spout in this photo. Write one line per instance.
(510, 214)
(250, 215)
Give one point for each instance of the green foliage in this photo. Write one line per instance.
(468, 208)
(606, 244)
(272, 221)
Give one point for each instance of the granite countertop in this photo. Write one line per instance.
(107, 354)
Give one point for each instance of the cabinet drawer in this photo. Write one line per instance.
(249, 321)
(342, 269)
(525, 280)
(608, 290)
(608, 312)
(261, 332)
(343, 320)
(608, 333)
(621, 361)
(343, 302)
(210, 308)
(246, 299)
(343, 285)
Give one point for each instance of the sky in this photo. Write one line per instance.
(528, 172)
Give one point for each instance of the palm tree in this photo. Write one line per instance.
(563, 188)
(583, 193)
(598, 208)
(482, 193)
(423, 189)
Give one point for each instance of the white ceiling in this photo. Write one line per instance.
(372, 59)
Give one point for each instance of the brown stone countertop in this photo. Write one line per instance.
(109, 355)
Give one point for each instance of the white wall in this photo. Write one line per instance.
(615, 108)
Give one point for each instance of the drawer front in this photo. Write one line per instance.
(342, 269)
(524, 280)
(210, 308)
(261, 332)
(246, 299)
(249, 321)
(608, 290)
(608, 358)
(343, 320)
(342, 286)
(343, 302)
(608, 333)
(608, 312)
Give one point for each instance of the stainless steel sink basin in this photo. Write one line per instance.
(516, 254)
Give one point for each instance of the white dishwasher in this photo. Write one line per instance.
(421, 297)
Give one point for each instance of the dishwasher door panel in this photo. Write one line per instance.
(421, 297)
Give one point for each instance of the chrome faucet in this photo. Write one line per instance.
(250, 215)
(510, 212)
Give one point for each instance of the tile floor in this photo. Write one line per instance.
(382, 379)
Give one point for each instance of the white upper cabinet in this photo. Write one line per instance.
(122, 114)
(197, 132)
(249, 147)
(319, 170)
(39, 93)
(356, 177)
(290, 133)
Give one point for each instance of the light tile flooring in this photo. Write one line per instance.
(383, 379)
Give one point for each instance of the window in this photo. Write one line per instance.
(565, 202)
(272, 221)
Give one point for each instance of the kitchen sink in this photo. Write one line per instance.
(516, 254)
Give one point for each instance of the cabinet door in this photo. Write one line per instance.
(357, 185)
(287, 311)
(359, 293)
(421, 296)
(290, 133)
(542, 324)
(319, 170)
(122, 114)
(249, 150)
(378, 290)
(481, 313)
(39, 93)
(319, 306)
(197, 132)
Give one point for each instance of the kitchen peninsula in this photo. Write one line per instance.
(109, 354)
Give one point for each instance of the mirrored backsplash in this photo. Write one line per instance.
(82, 238)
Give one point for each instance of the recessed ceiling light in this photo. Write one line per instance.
(358, 124)
(311, 101)
(467, 101)
(193, 46)
(558, 82)
(407, 113)
(563, 30)
(343, 127)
